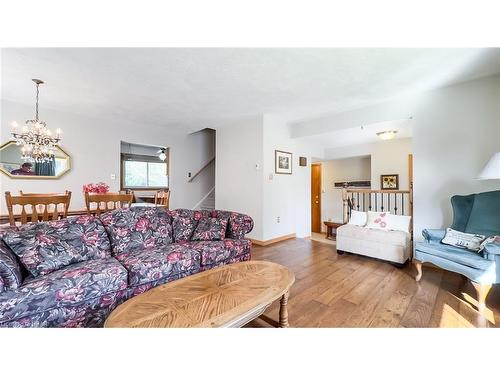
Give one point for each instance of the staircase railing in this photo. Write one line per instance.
(201, 170)
(397, 202)
(198, 205)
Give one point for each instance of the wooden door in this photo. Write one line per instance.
(316, 198)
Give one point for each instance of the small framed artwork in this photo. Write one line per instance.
(303, 161)
(389, 182)
(283, 162)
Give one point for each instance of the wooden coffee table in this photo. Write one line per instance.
(228, 296)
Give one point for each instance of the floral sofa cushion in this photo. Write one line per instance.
(211, 252)
(48, 246)
(183, 228)
(238, 224)
(138, 228)
(10, 270)
(158, 263)
(210, 229)
(71, 286)
(193, 214)
(238, 247)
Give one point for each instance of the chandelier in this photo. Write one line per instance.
(36, 139)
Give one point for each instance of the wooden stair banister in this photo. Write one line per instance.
(201, 170)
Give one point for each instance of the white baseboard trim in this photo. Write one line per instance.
(273, 240)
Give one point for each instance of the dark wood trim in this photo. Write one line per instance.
(122, 170)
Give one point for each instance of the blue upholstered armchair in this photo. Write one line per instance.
(478, 214)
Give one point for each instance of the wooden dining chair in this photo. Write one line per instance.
(37, 207)
(162, 197)
(129, 191)
(98, 203)
(42, 194)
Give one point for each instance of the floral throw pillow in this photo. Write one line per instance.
(183, 228)
(48, 246)
(210, 229)
(377, 220)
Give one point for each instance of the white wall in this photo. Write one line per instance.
(94, 145)
(387, 157)
(240, 186)
(285, 196)
(457, 131)
(349, 169)
(238, 170)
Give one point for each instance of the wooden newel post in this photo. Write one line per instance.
(344, 206)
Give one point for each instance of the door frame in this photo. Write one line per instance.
(319, 196)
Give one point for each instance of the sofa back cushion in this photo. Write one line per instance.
(48, 246)
(183, 228)
(238, 224)
(210, 229)
(138, 228)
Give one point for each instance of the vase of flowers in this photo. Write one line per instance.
(99, 187)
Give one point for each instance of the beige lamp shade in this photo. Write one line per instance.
(491, 170)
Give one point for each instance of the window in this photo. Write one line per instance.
(143, 172)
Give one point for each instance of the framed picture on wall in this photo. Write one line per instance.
(389, 182)
(283, 162)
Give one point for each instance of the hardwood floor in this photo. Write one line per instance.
(353, 291)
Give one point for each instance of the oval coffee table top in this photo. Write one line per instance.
(214, 298)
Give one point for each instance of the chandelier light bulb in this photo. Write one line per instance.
(14, 125)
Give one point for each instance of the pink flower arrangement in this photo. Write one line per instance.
(99, 187)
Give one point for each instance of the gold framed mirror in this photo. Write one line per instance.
(13, 165)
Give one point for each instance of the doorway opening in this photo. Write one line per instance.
(316, 198)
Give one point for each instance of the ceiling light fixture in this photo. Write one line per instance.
(36, 139)
(387, 134)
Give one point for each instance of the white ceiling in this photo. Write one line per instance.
(205, 87)
(366, 133)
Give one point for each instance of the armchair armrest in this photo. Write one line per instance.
(492, 248)
(433, 235)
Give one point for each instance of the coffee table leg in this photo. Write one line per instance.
(283, 323)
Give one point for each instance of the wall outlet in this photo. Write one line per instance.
(113, 176)
(270, 176)
(278, 219)
(189, 174)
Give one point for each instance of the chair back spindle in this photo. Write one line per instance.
(98, 203)
(37, 207)
(162, 197)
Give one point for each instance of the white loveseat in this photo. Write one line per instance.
(393, 246)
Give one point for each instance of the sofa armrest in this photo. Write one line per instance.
(239, 225)
(433, 235)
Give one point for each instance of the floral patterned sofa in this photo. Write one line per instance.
(74, 272)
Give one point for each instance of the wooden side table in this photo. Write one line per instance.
(330, 226)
